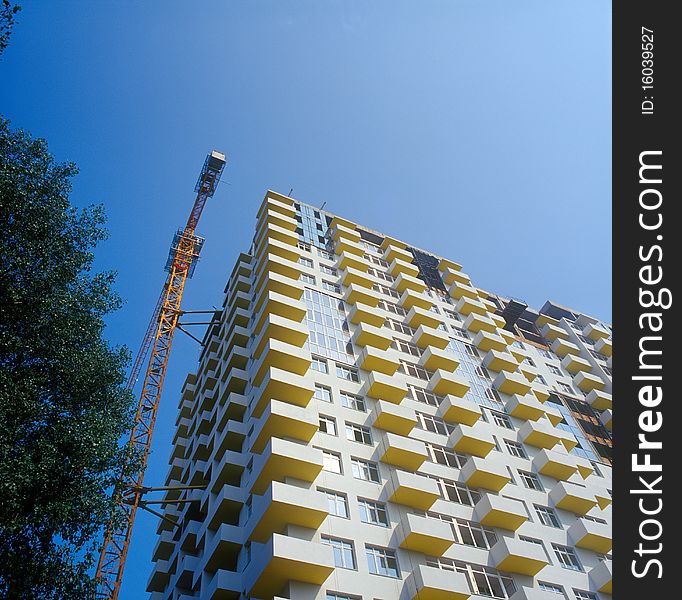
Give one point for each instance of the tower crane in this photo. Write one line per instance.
(182, 259)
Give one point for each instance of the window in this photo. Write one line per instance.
(531, 481)
(328, 270)
(400, 327)
(547, 516)
(347, 373)
(551, 587)
(392, 308)
(306, 262)
(325, 254)
(515, 449)
(445, 456)
(377, 287)
(358, 433)
(344, 555)
(336, 502)
(340, 596)
(482, 580)
(373, 512)
(406, 347)
(541, 380)
(319, 364)
(414, 370)
(455, 491)
(326, 319)
(564, 387)
(382, 561)
(331, 461)
(422, 395)
(434, 424)
(309, 279)
(331, 287)
(303, 246)
(583, 595)
(567, 557)
(365, 470)
(554, 370)
(353, 401)
(470, 533)
(501, 420)
(322, 393)
(328, 425)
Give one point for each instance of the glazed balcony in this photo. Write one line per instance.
(513, 555)
(402, 452)
(369, 335)
(498, 511)
(432, 583)
(555, 464)
(422, 534)
(459, 410)
(485, 473)
(490, 341)
(500, 361)
(588, 534)
(361, 313)
(428, 336)
(383, 387)
(410, 489)
(573, 498)
(283, 505)
(282, 459)
(435, 358)
(447, 383)
(284, 420)
(476, 440)
(511, 383)
(281, 385)
(374, 359)
(282, 559)
(395, 418)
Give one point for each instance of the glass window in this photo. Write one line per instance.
(328, 270)
(323, 393)
(567, 557)
(347, 373)
(331, 461)
(319, 364)
(358, 433)
(583, 595)
(434, 424)
(365, 470)
(336, 502)
(340, 596)
(373, 512)
(306, 278)
(515, 449)
(531, 481)
(501, 420)
(551, 587)
(547, 516)
(331, 287)
(382, 561)
(306, 262)
(344, 554)
(353, 401)
(445, 456)
(484, 581)
(328, 425)
(326, 320)
(455, 491)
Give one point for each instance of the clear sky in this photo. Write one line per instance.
(479, 130)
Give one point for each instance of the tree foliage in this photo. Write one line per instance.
(7, 14)
(63, 407)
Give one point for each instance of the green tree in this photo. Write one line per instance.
(7, 13)
(63, 405)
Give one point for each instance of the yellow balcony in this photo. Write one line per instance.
(485, 473)
(280, 204)
(477, 440)
(356, 293)
(395, 418)
(564, 347)
(422, 534)
(497, 319)
(361, 313)
(433, 583)
(373, 359)
(281, 355)
(551, 332)
(408, 282)
(511, 383)
(410, 489)
(410, 298)
(383, 387)
(575, 364)
(585, 467)
(284, 420)
(466, 306)
(490, 341)
(591, 535)
(601, 577)
(275, 247)
(595, 332)
(355, 261)
(500, 361)
(353, 276)
(282, 459)
(607, 419)
(476, 323)
(528, 371)
(542, 434)
(588, 382)
(428, 336)
(543, 319)
(394, 250)
(281, 385)
(275, 327)
(447, 383)
(420, 316)
(451, 276)
(272, 263)
(459, 410)
(446, 263)
(541, 391)
(434, 358)
(573, 498)
(280, 284)
(513, 555)
(344, 222)
(498, 511)
(340, 231)
(527, 407)
(275, 217)
(284, 306)
(604, 346)
(457, 290)
(402, 452)
(399, 266)
(599, 400)
(283, 559)
(283, 505)
(368, 335)
(277, 233)
(603, 498)
(555, 464)
(553, 414)
(350, 246)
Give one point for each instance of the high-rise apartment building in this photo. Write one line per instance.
(366, 423)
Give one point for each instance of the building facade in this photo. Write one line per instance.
(366, 423)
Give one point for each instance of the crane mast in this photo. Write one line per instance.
(182, 259)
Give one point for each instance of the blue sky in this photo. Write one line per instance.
(480, 130)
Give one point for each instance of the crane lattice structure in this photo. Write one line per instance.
(182, 259)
